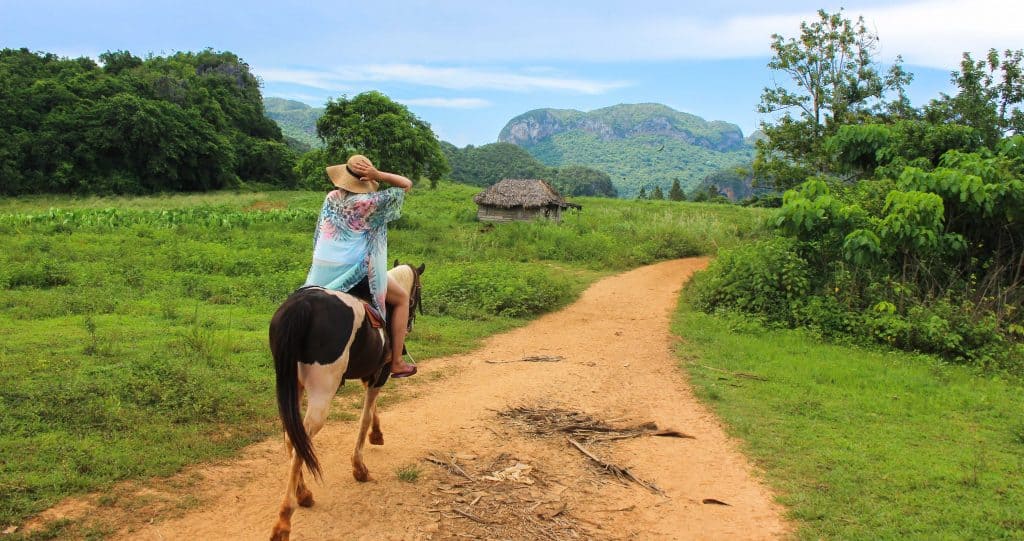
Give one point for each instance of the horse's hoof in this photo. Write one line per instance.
(280, 534)
(360, 472)
(306, 498)
(376, 438)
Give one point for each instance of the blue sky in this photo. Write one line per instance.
(467, 67)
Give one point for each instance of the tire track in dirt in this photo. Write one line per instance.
(618, 365)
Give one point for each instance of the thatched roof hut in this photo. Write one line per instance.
(520, 199)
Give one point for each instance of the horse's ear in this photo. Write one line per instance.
(423, 267)
(396, 263)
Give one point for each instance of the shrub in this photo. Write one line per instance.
(482, 290)
(39, 274)
(826, 315)
(761, 278)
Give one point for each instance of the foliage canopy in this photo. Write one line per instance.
(189, 121)
(383, 130)
(905, 227)
(837, 81)
(990, 93)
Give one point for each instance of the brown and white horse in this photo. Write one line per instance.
(320, 338)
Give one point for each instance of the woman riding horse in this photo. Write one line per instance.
(350, 250)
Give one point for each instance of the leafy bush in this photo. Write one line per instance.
(38, 274)
(311, 170)
(482, 290)
(761, 278)
(927, 260)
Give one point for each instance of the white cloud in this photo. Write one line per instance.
(469, 78)
(324, 80)
(438, 77)
(936, 33)
(926, 32)
(447, 103)
(932, 33)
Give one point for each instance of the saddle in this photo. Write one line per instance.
(376, 321)
(361, 291)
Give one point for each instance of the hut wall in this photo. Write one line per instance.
(498, 214)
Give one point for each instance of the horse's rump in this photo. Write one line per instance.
(330, 327)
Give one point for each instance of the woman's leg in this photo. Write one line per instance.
(398, 300)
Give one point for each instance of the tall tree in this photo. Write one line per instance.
(837, 81)
(386, 132)
(657, 194)
(675, 193)
(991, 92)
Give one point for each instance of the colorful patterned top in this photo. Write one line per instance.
(351, 241)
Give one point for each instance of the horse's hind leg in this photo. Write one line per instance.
(283, 527)
(303, 494)
(316, 415)
(376, 436)
(359, 470)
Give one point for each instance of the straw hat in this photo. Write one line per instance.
(346, 179)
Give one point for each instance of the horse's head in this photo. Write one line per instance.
(409, 277)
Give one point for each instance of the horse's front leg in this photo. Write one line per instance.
(376, 436)
(359, 470)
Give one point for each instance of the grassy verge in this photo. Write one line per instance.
(864, 444)
(135, 328)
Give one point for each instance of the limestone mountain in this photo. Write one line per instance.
(639, 145)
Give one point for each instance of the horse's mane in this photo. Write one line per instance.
(403, 274)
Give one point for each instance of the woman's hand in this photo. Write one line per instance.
(366, 171)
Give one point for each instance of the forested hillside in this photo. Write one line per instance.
(190, 121)
(296, 119)
(487, 164)
(639, 146)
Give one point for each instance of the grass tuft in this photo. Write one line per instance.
(409, 473)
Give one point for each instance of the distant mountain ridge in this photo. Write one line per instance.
(622, 122)
(639, 145)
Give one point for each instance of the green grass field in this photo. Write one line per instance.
(135, 343)
(135, 328)
(865, 444)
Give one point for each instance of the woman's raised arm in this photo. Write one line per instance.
(368, 172)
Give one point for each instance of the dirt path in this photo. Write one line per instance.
(617, 367)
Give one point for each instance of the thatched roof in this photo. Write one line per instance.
(527, 193)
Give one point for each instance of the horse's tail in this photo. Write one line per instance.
(288, 330)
